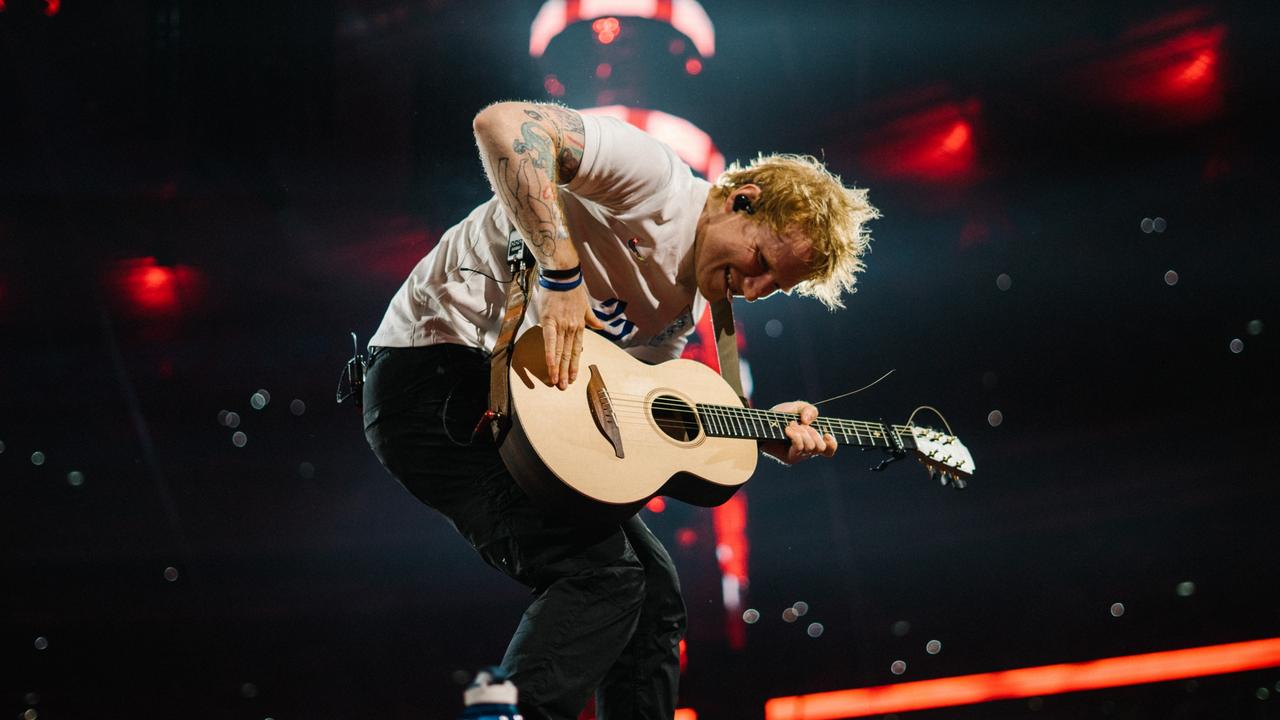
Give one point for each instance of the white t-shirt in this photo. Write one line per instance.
(631, 212)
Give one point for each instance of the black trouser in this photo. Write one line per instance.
(607, 615)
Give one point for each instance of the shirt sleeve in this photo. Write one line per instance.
(623, 166)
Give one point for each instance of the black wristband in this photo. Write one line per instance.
(566, 274)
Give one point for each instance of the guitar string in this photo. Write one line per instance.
(677, 404)
(641, 441)
(750, 415)
(690, 416)
(694, 431)
(755, 426)
(733, 427)
(758, 417)
(747, 427)
(743, 430)
(741, 422)
(714, 432)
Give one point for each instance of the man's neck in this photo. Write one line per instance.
(709, 209)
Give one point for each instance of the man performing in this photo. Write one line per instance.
(623, 232)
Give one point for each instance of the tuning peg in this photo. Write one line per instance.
(959, 483)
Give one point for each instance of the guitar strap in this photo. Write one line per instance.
(520, 263)
(727, 345)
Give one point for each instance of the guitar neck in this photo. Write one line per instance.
(750, 423)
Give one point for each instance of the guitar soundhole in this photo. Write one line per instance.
(675, 418)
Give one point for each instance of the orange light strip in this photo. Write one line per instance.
(1028, 682)
(686, 714)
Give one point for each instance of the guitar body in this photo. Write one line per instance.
(619, 434)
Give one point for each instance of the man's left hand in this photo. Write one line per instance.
(805, 441)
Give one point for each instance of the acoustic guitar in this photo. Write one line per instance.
(624, 432)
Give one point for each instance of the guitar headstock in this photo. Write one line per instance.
(943, 455)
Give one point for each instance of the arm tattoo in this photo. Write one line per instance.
(526, 178)
(570, 142)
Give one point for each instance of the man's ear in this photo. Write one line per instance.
(751, 190)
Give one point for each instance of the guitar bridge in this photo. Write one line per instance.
(602, 411)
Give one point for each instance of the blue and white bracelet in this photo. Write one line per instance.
(560, 280)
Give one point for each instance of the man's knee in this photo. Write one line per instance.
(625, 585)
(664, 600)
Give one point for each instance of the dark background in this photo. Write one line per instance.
(286, 163)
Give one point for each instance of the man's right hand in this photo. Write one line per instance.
(565, 315)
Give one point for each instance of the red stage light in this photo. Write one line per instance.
(1174, 78)
(604, 70)
(1, 5)
(606, 25)
(935, 144)
(553, 86)
(589, 713)
(730, 520)
(686, 537)
(607, 29)
(955, 140)
(693, 66)
(733, 550)
(1028, 682)
(687, 16)
(1198, 69)
(154, 289)
(656, 505)
(51, 7)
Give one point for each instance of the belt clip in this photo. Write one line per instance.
(353, 375)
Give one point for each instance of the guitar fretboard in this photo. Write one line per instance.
(750, 423)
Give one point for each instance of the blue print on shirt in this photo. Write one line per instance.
(680, 325)
(612, 313)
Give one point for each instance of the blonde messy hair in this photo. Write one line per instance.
(798, 191)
